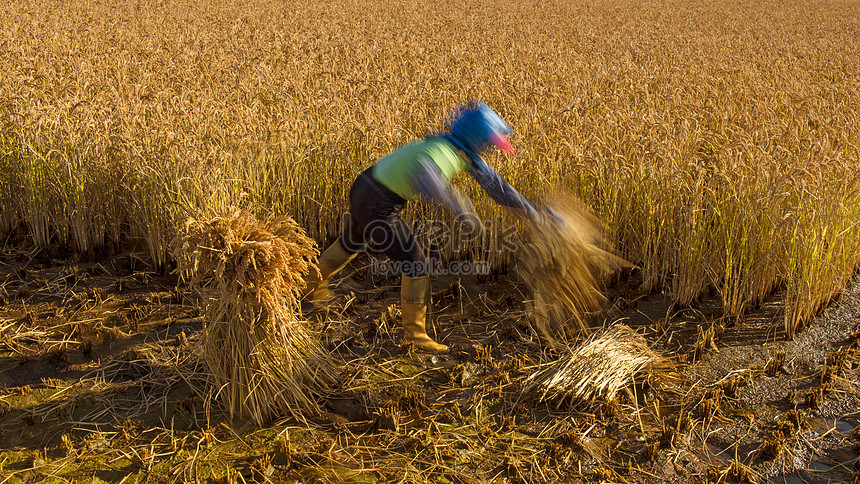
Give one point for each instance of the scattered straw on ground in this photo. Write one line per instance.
(595, 370)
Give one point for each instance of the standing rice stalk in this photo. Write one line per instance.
(10, 187)
(265, 362)
(823, 260)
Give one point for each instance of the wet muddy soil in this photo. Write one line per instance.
(99, 381)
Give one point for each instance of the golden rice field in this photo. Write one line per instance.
(718, 141)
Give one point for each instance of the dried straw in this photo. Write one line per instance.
(264, 360)
(564, 265)
(594, 370)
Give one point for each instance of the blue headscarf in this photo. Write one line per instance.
(474, 127)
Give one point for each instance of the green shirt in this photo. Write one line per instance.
(396, 171)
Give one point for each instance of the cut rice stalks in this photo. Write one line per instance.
(265, 362)
(595, 370)
(564, 264)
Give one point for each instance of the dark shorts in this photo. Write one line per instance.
(374, 224)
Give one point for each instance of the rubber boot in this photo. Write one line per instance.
(413, 306)
(332, 260)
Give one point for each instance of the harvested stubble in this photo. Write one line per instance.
(595, 370)
(265, 361)
(564, 265)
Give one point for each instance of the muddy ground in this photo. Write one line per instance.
(99, 381)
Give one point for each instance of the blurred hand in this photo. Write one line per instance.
(555, 218)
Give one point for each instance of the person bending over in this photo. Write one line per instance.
(425, 169)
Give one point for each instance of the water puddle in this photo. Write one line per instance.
(816, 467)
(787, 480)
(844, 427)
(840, 427)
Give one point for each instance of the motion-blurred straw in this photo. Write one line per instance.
(265, 362)
(564, 264)
(594, 370)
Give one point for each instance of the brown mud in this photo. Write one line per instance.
(99, 382)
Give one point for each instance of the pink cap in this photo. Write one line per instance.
(503, 144)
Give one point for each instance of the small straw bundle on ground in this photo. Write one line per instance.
(265, 361)
(564, 264)
(594, 370)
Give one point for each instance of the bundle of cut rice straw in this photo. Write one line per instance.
(564, 264)
(595, 370)
(264, 360)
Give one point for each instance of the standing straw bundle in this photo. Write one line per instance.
(594, 370)
(563, 264)
(264, 361)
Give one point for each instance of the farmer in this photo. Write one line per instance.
(423, 169)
